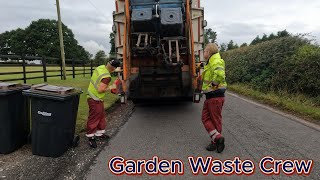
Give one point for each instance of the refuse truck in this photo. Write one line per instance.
(159, 43)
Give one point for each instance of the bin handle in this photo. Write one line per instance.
(79, 89)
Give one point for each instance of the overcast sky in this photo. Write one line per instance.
(239, 20)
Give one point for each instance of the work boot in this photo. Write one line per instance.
(92, 142)
(103, 137)
(211, 147)
(220, 144)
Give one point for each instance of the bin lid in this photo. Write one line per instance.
(53, 89)
(52, 92)
(7, 88)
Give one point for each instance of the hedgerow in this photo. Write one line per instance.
(289, 64)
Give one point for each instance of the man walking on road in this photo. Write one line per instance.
(213, 84)
(98, 87)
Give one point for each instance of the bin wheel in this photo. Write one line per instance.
(75, 141)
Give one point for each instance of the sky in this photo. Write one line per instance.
(237, 20)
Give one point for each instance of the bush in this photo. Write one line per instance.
(289, 64)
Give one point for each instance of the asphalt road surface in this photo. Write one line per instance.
(175, 132)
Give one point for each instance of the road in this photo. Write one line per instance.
(176, 132)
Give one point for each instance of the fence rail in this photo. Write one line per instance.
(21, 61)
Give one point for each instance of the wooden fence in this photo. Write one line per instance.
(45, 62)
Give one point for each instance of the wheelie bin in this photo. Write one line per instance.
(14, 121)
(53, 114)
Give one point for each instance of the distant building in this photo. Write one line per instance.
(36, 62)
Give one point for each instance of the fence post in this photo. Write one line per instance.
(84, 68)
(91, 67)
(73, 68)
(24, 69)
(44, 66)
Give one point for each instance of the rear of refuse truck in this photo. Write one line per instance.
(159, 43)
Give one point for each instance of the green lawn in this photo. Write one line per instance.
(78, 82)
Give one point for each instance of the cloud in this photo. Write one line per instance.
(239, 32)
(93, 47)
(240, 21)
(90, 24)
(243, 20)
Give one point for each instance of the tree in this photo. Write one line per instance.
(256, 41)
(112, 43)
(5, 41)
(283, 33)
(231, 45)
(13, 42)
(210, 36)
(244, 45)
(41, 38)
(271, 37)
(264, 38)
(100, 57)
(223, 47)
(89, 55)
(18, 43)
(83, 54)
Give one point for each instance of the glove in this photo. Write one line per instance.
(115, 87)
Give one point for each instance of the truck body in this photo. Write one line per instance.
(159, 43)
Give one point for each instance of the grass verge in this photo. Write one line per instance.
(297, 104)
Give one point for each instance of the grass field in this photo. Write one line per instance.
(78, 82)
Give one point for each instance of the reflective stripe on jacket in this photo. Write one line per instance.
(99, 73)
(214, 73)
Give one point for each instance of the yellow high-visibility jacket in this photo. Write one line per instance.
(214, 73)
(99, 73)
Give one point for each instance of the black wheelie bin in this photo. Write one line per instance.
(14, 121)
(53, 115)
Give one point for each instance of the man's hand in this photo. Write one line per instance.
(116, 87)
(112, 86)
(103, 88)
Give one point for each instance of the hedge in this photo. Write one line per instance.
(289, 64)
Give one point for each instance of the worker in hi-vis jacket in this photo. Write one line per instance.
(98, 87)
(213, 84)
